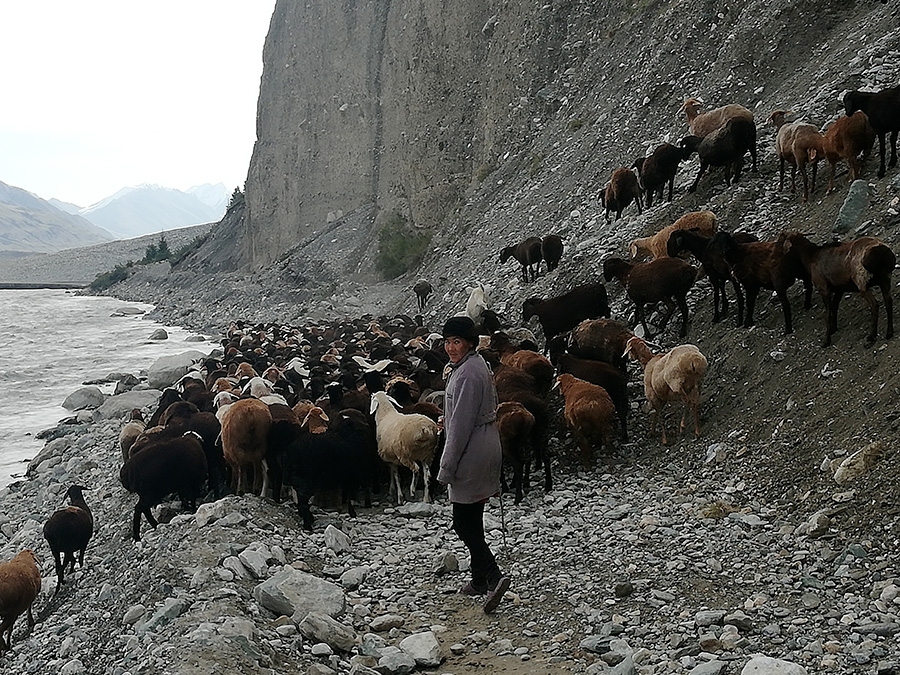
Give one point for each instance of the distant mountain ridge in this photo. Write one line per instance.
(145, 209)
(29, 224)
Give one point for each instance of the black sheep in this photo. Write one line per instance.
(339, 458)
(564, 312)
(883, 110)
(169, 466)
(69, 530)
(724, 147)
(659, 169)
(552, 250)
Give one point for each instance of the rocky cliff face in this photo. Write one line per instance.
(405, 107)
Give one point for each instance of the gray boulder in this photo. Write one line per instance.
(119, 406)
(322, 628)
(167, 370)
(294, 593)
(766, 665)
(159, 334)
(424, 648)
(85, 397)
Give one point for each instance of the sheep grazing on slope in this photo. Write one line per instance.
(69, 530)
(528, 254)
(245, 434)
(724, 147)
(883, 110)
(846, 139)
(551, 251)
(848, 267)
(422, 289)
(130, 432)
(656, 246)
(622, 189)
(675, 375)
(20, 584)
(589, 412)
(665, 280)
(407, 440)
(563, 312)
(659, 170)
(704, 124)
(800, 144)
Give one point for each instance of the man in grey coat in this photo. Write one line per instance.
(471, 461)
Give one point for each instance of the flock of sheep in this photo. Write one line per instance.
(343, 407)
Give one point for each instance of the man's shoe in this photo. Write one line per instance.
(496, 595)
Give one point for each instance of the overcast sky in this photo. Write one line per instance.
(98, 95)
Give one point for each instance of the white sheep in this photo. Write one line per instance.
(675, 375)
(479, 300)
(409, 440)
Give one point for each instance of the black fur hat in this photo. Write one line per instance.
(460, 326)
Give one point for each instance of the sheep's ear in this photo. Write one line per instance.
(373, 406)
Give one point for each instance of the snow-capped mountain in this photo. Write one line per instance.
(145, 209)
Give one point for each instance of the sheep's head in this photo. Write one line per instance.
(689, 145)
(691, 106)
(506, 254)
(778, 117)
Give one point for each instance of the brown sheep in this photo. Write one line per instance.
(245, 434)
(20, 584)
(703, 124)
(589, 412)
(675, 375)
(622, 189)
(656, 246)
(516, 427)
(130, 432)
(846, 139)
(848, 267)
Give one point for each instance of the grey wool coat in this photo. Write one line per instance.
(470, 465)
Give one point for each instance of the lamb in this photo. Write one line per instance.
(130, 432)
(564, 312)
(528, 254)
(704, 124)
(20, 584)
(407, 440)
(665, 279)
(175, 465)
(849, 267)
(883, 110)
(846, 139)
(762, 264)
(589, 412)
(551, 251)
(69, 530)
(708, 253)
(724, 147)
(656, 246)
(516, 427)
(605, 375)
(422, 289)
(800, 144)
(675, 375)
(622, 189)
(245, 433)
(658, 170)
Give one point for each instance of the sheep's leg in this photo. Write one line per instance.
(426, 475)
(59, 569)
(885, 286)
(585, 449)
(136, 521)
(395, 481)
(781, 175)
(786, 308)
(873, 315)
(815, 171)
(413, 481)
(639, 311)
(894, 148)
(739, 296)
(261, 476)
(682, 305)
(671, 188)
(881, 155)
(696, 182)
(831, 166)
(830, 309)
(805, 184)
(793, 179)
(716, 301)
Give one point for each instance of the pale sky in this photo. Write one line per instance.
(98, 95)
